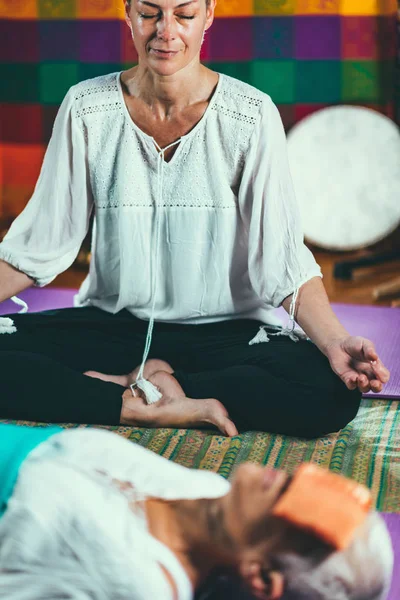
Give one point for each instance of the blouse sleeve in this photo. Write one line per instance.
(279, 261)
(45, 238)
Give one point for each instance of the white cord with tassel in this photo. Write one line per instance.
(289, 330)
(151, 393)
(260, 337)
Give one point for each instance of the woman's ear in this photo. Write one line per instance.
(210, 14)
(127, 15)
(264, 584)
(275, 581)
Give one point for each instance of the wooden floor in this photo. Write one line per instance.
(358, 291)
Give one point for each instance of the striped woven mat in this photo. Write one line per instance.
(367, 450)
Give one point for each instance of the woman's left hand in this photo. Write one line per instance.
(357, 363)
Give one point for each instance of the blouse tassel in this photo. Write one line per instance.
(7, 324)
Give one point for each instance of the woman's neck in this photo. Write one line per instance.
(167, 96)
(194, 531)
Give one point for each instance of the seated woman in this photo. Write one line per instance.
(89, 515)
(196, 239)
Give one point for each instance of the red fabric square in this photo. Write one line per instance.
(21, 123)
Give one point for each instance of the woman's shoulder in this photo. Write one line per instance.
(241, 104)
(96, 92)
(248, 102)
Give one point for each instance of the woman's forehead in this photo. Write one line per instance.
(167, 3)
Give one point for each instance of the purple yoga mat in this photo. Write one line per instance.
(393, 523)
(41, 299)
(380, 324)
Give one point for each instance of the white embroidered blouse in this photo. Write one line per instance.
(214, 234)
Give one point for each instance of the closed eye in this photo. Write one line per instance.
(154, 16)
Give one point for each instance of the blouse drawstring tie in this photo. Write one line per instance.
(151, 393)
(289, 330)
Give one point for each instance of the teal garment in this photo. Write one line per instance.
(16, 442)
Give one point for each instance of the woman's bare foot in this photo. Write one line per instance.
(151, 366)
(174, 409)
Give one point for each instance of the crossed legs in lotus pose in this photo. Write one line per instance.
(173, 407)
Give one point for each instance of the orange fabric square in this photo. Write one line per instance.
(15, 198)
(368, 7)
(344, 508)
(317, 7)
(234, 8)
(100, 9)
(22, 163)
(18, 9)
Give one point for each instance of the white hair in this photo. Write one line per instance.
(40, 561)
(362, 572)
(68, 536)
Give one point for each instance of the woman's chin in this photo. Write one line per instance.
(168, 66)
(165, 67)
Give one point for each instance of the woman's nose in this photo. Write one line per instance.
(166, 28)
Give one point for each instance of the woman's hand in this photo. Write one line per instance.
(356, 361)
(174, 409)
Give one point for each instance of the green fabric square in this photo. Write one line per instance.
(20, 83)
(55, 81)
(274, 77)
(57, 9)
(239, 70)
(367, 81)
(318, 81)
(90, 70)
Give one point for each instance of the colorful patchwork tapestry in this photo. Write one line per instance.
(306, 54)
(367, 450)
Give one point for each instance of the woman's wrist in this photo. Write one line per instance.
(332, 342)
(315, 316)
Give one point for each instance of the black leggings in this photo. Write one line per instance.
(280, 386)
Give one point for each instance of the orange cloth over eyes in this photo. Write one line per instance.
(325, 504)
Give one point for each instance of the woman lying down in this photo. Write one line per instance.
(90, 515)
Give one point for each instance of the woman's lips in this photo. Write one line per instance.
(163, 53)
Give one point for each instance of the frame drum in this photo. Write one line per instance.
(345, 163)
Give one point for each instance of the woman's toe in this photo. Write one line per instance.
(217, 415)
